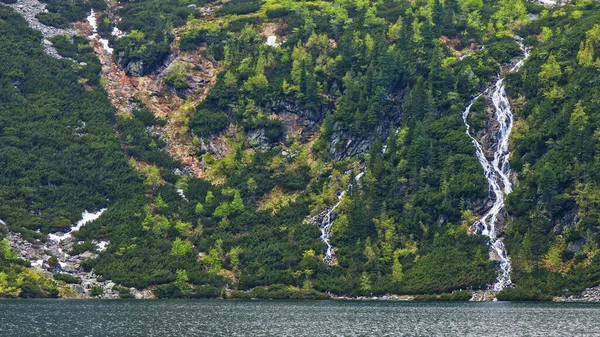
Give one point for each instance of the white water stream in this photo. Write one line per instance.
(325, 223)
(497, 171)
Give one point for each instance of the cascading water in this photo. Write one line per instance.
(497, 171)
(325, 222)
(325, 227)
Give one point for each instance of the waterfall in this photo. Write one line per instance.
(325, 227)
(497, 171)
(325, 222)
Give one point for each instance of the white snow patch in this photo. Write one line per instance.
(57, 237)
(92, 21)
(105, 45)
(101, 245)
(180, 192)
(272, 41)
(553, 2)
(117, 32)
(86, 217)
(548, 2)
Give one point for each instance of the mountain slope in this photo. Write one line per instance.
(242, 121)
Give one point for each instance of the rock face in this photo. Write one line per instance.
(303, 122)
(29, 9)
(307, 119)
(193, 78)
(344, 146)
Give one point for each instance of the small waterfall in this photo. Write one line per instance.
(325, 222)
(497, 171)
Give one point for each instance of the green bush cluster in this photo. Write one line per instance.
(240, 7)
(67, 278)
(278, 292)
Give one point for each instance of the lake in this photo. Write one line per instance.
(294, 318)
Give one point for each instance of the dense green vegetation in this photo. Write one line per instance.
(150, 26)
(554, 239)
(387, 73)
(59, 152)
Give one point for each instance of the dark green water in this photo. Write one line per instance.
(290, 318)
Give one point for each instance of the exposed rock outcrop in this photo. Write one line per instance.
(41, 256)
(588, 295)
(308, 119)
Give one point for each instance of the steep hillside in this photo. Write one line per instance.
(318, 145)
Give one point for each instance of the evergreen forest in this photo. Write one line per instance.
(340, 112)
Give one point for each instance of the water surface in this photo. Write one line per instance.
(294, 318)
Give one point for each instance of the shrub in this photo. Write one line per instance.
(96, 291)
(277, 12)
(460, 295)
(31, 290)
(123, 292)
(52, 19)
(83, 247)
(522, 294)
(242, 295)
(240, 7)
(206, 122)
(67, 278)
(208, 292)
(192, 39)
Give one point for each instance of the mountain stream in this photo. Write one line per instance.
(497, 170)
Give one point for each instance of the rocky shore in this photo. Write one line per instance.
(374, 298)
(483, 296)
(588, 295)
(29, 9)
(41, 256)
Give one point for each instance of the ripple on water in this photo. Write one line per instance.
(294, 318)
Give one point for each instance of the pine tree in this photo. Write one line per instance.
(438, 15)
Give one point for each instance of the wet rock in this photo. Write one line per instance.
(142, 294)
(483, 296)
(256, 138)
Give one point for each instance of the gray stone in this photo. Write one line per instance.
(78, 288)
